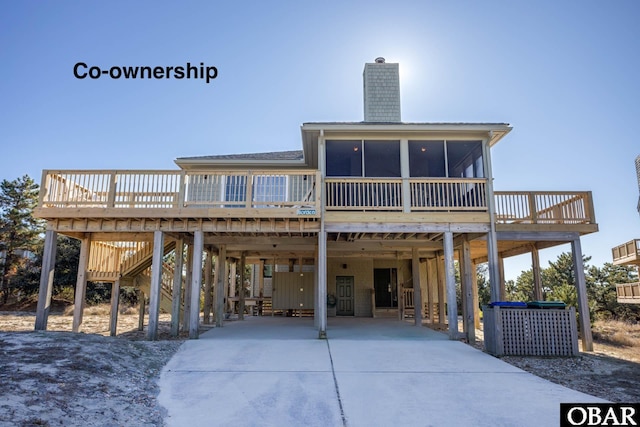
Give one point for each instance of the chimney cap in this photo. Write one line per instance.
(379, 60)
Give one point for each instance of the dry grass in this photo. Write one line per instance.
(101, 310)
(616, 333)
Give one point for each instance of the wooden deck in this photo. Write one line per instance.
(627, 253)
(179, 194)
(282, 201)
(628, 293)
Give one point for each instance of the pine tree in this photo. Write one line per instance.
(19, 230)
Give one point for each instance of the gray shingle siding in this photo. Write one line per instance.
(381, 93)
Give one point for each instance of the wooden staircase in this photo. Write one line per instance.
(130, 262)
(166, 291)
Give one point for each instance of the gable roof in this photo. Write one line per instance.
(273, 155)
(272, 159)
(308, 156)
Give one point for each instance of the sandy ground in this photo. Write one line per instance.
(57, 378)
(64, 379)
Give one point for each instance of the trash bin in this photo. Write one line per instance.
(547, 304)
(508, 304)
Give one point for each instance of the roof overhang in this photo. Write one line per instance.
(492, 132)
(230, 164)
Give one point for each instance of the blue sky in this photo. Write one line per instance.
(563, 74)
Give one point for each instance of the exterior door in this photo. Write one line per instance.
(385, 287)
(344, 290)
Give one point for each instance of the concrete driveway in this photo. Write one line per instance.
(273, 371)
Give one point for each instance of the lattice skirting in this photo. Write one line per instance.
(530, 332)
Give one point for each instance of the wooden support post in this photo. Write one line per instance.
(261, 284)
(186, 310)
(537, 280)
(227, 279)
(214, 290)
(495, 279)
(261, 279)
(581, 288)
(492, 237)
(316, 289)
(251, 284)
(405, 172)
(417, 285)
(196, 282)
(463, 294)
(502, 288)
(233, 282)
(400, 288)
(208, 285)
(115, 303)
(176, 292)
(241, 291)
(322, 244)
(155, 285)
(442, 289)
(466, 276)
(450, 281)
(220, 285)
(46, 280)
(322, 283)
(476, 297)
(273, 271)
(81, 283)
(141, 309)
(432, 288)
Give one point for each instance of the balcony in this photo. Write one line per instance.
(406, 195)
(627, 253)
(544, 207)
(269, 194)
(179, 194)
(628, 293)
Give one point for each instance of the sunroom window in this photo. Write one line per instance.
(450, 159)
(426, 159)
(463, 159)
(382, 159)
(363, 158)
(344, 158)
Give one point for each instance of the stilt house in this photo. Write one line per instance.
(367, 219)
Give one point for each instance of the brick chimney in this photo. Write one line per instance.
(381, 92)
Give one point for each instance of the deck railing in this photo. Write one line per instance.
(628, 293)
(364, 193)
(116, 257)
(627, 251)
(179, 189)
(544, 207)
(451, 194)
(397, 194)
(297, 192)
